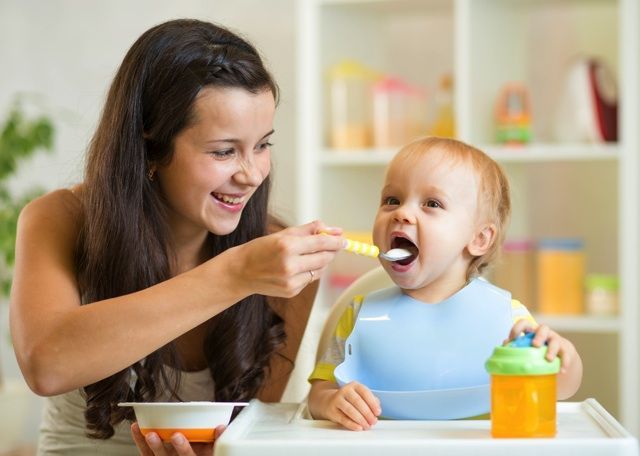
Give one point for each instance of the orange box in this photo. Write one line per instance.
(561, 272)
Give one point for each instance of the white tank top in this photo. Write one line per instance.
(63, 429)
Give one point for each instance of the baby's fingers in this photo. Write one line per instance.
(518, 328)
(354, 397)
(352, 419)
(553, 347)
(372, 402)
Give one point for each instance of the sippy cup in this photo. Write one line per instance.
(523, 390)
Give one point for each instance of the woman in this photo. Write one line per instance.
(149, 280)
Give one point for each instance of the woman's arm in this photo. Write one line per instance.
(61, 345)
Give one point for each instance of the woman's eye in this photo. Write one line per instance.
(433, 203)
(265, 145)
(222, 153)
(391, 201)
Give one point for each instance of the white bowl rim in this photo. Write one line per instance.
(183, 404)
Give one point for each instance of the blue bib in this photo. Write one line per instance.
(407, 351)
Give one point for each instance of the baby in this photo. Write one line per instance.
(447, 203)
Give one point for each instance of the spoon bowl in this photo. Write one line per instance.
(395, 254)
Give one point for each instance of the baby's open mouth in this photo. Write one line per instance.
(400, 242)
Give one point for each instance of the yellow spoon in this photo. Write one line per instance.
(362, 248)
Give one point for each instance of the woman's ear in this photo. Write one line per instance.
(482, 240)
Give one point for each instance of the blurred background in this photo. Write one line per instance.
(549, 88)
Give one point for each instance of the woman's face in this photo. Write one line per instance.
(218, 162)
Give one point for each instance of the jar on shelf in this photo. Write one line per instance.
(350, 86)
(515, 271)
(399, 112)
(601, 294)
(560, 276)
(444, 122)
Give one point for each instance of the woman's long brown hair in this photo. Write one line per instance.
(124, 244)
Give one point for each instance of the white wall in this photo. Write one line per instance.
(66, 52)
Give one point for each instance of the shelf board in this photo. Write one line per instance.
(357, 157)
(580, 323)
(533, 153)
(543, 152)
(391, 6)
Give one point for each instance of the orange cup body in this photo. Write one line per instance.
(523, 405)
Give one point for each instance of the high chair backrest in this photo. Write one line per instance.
(375, 279)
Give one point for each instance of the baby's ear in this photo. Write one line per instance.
(482, 240)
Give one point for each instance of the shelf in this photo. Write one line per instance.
(559, 189)
(553, 152)
(533, 153)
(580, 323)
(390, 6)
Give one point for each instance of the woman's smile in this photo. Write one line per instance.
(229, 202)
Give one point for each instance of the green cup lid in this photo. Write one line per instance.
(518, 358)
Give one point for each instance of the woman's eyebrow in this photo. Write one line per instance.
(236, 140)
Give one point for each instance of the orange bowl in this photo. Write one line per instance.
(197, 421)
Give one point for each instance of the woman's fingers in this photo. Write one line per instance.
(155, 444)
(182, 445)
(219, 430)
(314, 227)
(140, 441)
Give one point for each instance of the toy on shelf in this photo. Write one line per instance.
(513, 115)
(588, 110)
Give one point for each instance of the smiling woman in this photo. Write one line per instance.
(162, 275)
(229, 137)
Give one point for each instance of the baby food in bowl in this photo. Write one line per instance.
(197, 421)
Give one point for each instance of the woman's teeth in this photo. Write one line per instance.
(228, 199)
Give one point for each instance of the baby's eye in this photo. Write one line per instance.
(225, 153)
(391, 201)
(433, 203)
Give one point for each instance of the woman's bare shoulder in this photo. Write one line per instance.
(59, 208)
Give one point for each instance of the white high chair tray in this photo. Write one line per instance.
(584, 428)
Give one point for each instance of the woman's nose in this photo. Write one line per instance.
(404, 214)
(249, 173)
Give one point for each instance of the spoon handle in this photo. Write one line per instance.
(361, 248)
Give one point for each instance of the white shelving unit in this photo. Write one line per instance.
(559, 189)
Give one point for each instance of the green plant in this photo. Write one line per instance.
(20, 138)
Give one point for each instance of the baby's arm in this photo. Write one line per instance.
(353, 406)
(570, 375)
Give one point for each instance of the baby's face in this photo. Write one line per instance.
(429, 205)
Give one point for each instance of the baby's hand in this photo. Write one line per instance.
(354, 406)
(556, 344)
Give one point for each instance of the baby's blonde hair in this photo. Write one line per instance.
(494, 200)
